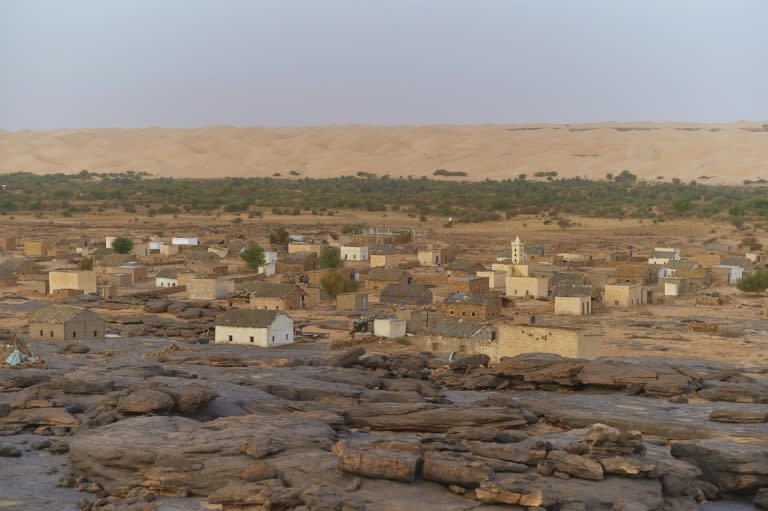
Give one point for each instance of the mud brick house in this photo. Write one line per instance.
(210, 288)
(515, 339)
(37, 248)
(65, 323)
(263, 328)
(475, 307)
(636, 273)
(379, 278)
(274, 296)
(432, 257)
(67, 279)
(527, 287)
(352, 302)
(297, 262)
(470, 284)
(624, 295)
(8, 242)
(464, 337)
(574, 300)
(404, 294)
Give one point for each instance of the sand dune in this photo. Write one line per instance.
(729, 153)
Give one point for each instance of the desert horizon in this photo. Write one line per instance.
(720, 153)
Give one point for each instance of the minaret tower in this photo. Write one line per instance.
(518, 251)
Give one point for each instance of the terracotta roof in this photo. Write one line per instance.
(248, 318)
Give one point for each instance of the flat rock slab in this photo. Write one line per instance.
(650, 416)
(739, 415)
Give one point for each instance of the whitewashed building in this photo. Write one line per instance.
(390, 328)
(354, 253)
(185, 241)
(263, 328)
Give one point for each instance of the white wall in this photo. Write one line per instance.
(278, 333)
(165, 282)
(390, 328)
(354, 253)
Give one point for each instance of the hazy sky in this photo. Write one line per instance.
(188, 63)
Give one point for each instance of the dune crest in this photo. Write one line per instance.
(724, 153)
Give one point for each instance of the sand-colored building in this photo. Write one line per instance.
(576, 305)
(515, 339)
(404, 294)
(274, 296)
(470, 284)
(527, 287)
(8, 242)
(352, 301)
(379, 278)
(464, 337)
(210, 288)
(475, 307)
(70, 279)
(624, 295)
(65, 323)
(432, 257)
(36, 248)
(497, 279)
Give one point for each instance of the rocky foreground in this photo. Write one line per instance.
(143, 423)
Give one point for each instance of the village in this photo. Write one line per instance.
(423, 365)
(411, 292)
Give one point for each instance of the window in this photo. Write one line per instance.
(273, 338)
(230, 338)
(51, 333)
(251, 338)
(74, 334)
(95, 333)
(286, 337)
(615, 302)
(41, 333)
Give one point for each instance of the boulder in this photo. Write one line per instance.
(575, 465)
(761, 499)
(188, 398)
(393, 460)
(602, 440)
(452, 468)
(732, 467)
(258, 471)
(270, 494)
(156, 306)
(734, 392)
(145, 401)
(9, 451)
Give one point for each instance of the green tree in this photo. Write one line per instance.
(755, 283)
(279, 237)
(122, 245)
(86, 263)
(330, 257)
(253, 257)
(334, 284)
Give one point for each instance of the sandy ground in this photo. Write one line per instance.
(724, 153)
